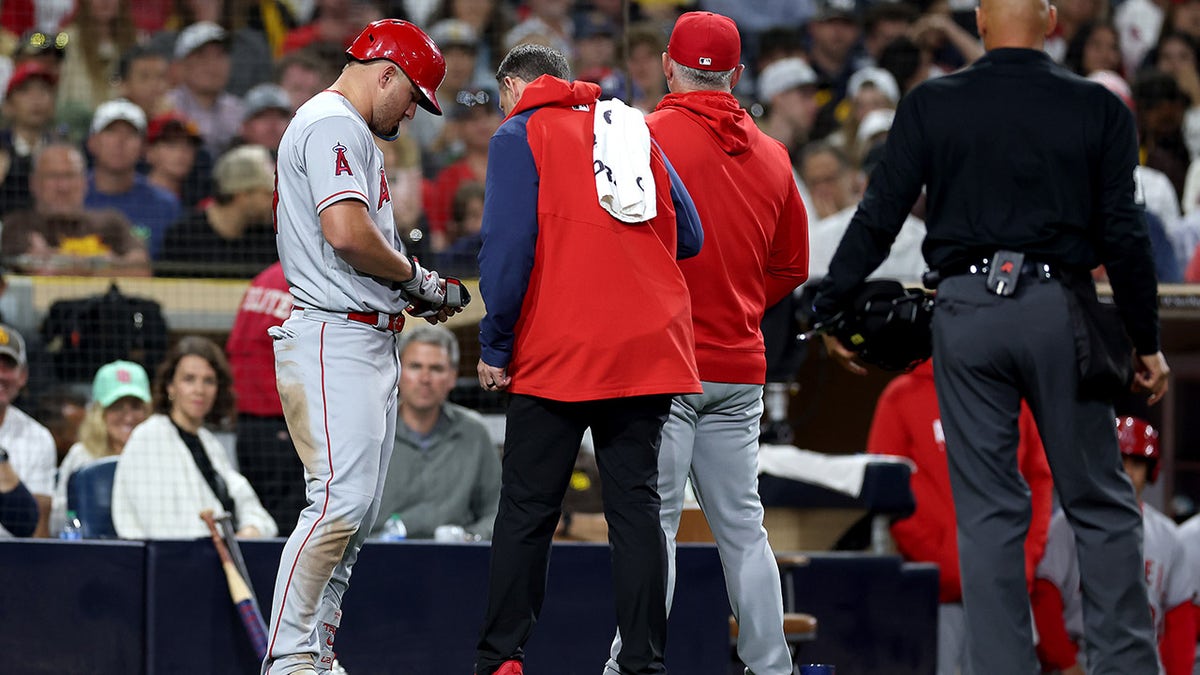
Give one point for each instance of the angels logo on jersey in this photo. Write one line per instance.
(340, 164)
(384, 194)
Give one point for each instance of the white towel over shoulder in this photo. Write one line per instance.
(621, 162)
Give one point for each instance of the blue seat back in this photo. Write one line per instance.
(89, 495)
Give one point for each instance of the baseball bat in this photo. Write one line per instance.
(229, 536)
(239, 592)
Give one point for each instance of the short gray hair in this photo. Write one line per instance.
(438, 336)
(704, 79)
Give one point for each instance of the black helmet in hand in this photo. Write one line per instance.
(888, 325)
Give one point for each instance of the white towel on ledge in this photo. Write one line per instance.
(843, 473)
(621, 162)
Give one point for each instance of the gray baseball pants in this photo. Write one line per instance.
(714, 436)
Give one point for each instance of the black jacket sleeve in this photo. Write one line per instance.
(18, 511)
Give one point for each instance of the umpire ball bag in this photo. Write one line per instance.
(888, 325)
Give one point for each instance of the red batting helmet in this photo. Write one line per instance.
(1137, 438)
(410, 49)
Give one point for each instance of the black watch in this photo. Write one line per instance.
(3, 456)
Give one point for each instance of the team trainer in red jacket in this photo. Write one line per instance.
(907, 423)
(588, 325)
(755, 253)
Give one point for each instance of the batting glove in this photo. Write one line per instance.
(457, 297)
(425, 286)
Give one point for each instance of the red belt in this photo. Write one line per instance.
(390, 322)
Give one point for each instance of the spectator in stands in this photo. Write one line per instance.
(29, 112)
(445, 469)
(836, 188)
(595, 47)
(233, 234)
(1139, 23)
(118, 133)
(268, 111)
(545, 22)
(884, 22)
(1095, 46)
(61, 410)
(1178, 55)
(476, 118)
(944, 42)
(869, 89)
(788, 90)
(59, 234)
(833, 35)
(18, 506)
(438, 136)
(491, 20)
(907, 423)
(173, 467)
(644, 45)
(143, 78)
(1058, 603)
(907, 62)
(172, 142)
(1161, 105)
(1073, 15)
(302, 74)
(337, 22)
(100, 32)
(203, 69)
(266, 455)
(461, 258)
(120, 402)
(27, 446)
(248, 25)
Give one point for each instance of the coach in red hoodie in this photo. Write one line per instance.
(755, 253)
(588, 325)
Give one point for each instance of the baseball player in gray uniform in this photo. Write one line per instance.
(1170, 582)
(335, 357)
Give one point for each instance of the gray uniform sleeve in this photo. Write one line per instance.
(337, 158)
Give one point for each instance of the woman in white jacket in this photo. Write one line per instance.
(172, 467)
(120, 402)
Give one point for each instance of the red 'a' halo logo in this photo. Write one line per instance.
(340, 165)
(385, 195)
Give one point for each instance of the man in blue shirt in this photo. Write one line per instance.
(115, 144)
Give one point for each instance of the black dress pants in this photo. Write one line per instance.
(542, 439)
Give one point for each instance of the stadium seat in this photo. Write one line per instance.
(89, 495)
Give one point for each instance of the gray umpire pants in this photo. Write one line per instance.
(714, 436)
(989, 353)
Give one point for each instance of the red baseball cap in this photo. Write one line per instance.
(705, 41)
(27, 70)
(171, 123)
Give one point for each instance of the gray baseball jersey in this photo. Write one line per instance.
(1168, 579)
(327, 155)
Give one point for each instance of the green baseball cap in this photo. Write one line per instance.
(119, 379)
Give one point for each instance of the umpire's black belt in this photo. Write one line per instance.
(1033, 269)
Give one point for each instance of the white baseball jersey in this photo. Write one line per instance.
(328, 154)
(1170, 582)
(31, 452)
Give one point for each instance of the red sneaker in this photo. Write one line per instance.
(510, 668)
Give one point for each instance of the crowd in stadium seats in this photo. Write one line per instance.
(195, 80)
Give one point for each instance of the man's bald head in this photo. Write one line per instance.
(1015, 23)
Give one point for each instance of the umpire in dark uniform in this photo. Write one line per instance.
(1017, 154)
